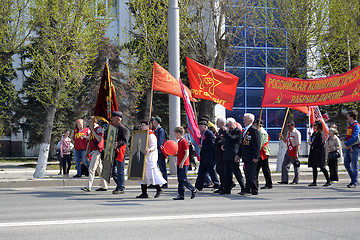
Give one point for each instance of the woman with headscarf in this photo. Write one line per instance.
(333, 149)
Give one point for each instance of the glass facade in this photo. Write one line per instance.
(252, 57)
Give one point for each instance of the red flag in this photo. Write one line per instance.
(315, 115)
(211, 84)
(106, 101)
(163, 81)
(195, 134)
(302, 109)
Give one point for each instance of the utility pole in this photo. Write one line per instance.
(174, 69)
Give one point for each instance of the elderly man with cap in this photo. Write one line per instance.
(119, 156)
(161, 138)
(207, 162)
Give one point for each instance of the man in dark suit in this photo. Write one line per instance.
(207, 162)
(249, 151)
(232, 138)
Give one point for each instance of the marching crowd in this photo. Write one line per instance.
(222, 147)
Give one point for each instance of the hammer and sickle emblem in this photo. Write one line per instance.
(278, 98)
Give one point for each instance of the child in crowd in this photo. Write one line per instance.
(183, 165)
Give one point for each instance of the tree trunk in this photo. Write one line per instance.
(206, 107)
(45, 143)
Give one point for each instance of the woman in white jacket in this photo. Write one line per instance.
(153, 175)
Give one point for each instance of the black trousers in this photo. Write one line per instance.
(251, 177)
(333, 169)
(230, 168)
(315, 173)
(66, 161)
(203, 169)
(264, 165)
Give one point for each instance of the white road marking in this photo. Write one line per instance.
(176, 217)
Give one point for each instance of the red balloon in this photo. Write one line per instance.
(170, 147)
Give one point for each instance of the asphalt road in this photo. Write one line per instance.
(284, 212)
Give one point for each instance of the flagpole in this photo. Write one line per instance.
(282, 129)
(260, 118)
(193, 103)
(151, 102)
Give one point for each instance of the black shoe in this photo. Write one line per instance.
(158, 193)
(193, 194)
(217, 191)
(179, 198)
(77, 175)
(85, 189)
(164, 186)
(101, 190)
(224, 193)
(266, 187)
(254, 193)
(143, 196)
(118, 191)
(351, 185)
(243, 192)
(282, 182)
(327, 184)
(294, 182)
(312, 185)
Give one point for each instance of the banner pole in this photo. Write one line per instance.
(193, 102)
(151, 101)
(260, 117)
(282, 129)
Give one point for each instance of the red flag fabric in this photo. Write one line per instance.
(163, 81)
(211, 84)
(302, 109)
(106, 101)
(195, 134)
(315, 115)
(288, 92)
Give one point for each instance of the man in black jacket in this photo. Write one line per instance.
(207, 162)
(232, 138)
(118, 173)
(249, 151)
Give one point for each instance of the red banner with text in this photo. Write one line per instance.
(289, 92)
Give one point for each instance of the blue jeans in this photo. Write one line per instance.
(80, 155)
(162, 165)
(183, 181)
(351, 163)
(118, 174)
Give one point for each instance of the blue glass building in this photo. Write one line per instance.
(253, 57)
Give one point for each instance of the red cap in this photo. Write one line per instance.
(325, 116)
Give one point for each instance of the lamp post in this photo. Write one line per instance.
(174, 69)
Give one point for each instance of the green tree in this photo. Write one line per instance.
(340, 49)
(217, 24)
(13, 33)
(66, 37)
(294, 26)
(207, 31)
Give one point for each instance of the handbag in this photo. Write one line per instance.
(333, 155)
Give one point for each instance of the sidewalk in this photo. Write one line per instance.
(16, 175)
